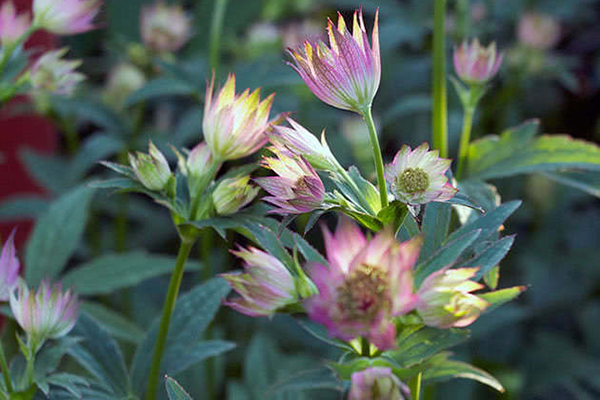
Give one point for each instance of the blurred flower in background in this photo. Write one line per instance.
(123, 80)
(476, 64)
(538, 31)
(65, 17)
(12, 26)
(53, 74)
(165, 28)
(9, 268)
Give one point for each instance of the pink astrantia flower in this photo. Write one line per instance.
(165, 28)
(367, 283)
(346, 74)
(538, 31)
(48, 313)
(297, 188)
(377, 383)
(53, 74)
(235, 126)
(265, 286)
(418, 176)
(446, 301)
(475, 64)
(66, 17)
(9, 268)
(12, 26)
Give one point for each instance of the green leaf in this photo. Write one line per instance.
(96, 148)
(181, 356)
(22, 207)
(320, 332)
(490, 256)
(588, 181)
(160, 87)
(518, 151)
(499, 297)
(49, 357)
(409, 229)
(116, 271)
(192, 314)
(56, 235)
(488, 223)
(318, 378)
(175, 391)
(309, 253)
(435, 228)
(449, 369)
(49, 171)
(113, 322)
(393, 215)
(90, 110)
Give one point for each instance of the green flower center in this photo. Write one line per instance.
(413, 180)
(363, 292)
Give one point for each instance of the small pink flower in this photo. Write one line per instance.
(446, 301)
(9, 268)
(235, 126)
(418, 176)
(297, 188)
(165, 28)
(475, 64)
(346, 74)
(265, 286)
(377, 383)
(46, 314)
(12, 26)
(53, 74)
(538, 31)
(66, 17)
(367, 283)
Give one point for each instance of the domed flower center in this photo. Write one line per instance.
(362, 294)
(413, 180)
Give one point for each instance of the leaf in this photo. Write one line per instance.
(192, 314)
(100, 355)
(71, 383)
(309, 253)
(318, 378)
(113, 322)
(116, 271)
(499, 297)
(56, 235)
(435, 228)
(90, 110)
(393, 215)
(96, 148)
(160, 87)
(183, 355)
(51, 354)
(47, 170)
(588, 181)
(319, 332)
(22, 207)
(409, 229)
(449, 369)
(489, 223)
(175, 391)
(269, 241)
(462, 199)
(517, 151)
(489, 257)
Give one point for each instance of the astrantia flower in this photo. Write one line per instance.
(66, 17)
(475, 64)
(367, 283)
(377, 383)
(418, 176)
(50, 73)
(296, 189)
(152, 169)
(234, 126)
(12, 26)
(46, 314)
(346, 74)
(265, 286)
(538, 31)
(9, 268)
(233, 194)
(123, 80)
(446, 301)
(165, 28)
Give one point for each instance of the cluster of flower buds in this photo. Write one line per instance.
(165, 28)
(12, 26)
(151, 169)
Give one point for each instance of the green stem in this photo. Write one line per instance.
(368, 116)
(169, 305)
(465, 139)
(215, 33)
(365, 347)
(440, 119)
(415, 387)
(5, 374)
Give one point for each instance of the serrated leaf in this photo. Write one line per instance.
(183, 355)
(490, 256)
(113, 322)
(175, 391)
(488, 223)
(449, 369)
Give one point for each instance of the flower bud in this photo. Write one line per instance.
(165, 28)
(377, 383)
(65, 17)
(538, 31)
(12, 26)
(9, 268)
(123, 80)
(445, 298)
(475, 64)
(232, 194)
(152, 169)
(50, 73)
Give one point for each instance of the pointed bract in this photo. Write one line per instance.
(476, 64)
(9, 268)
(66, 17)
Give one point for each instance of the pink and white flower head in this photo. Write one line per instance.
(377, 383)
(297, 188)
(65, 17)
(235, 126)
(264, 287)
(475, 64)
(152, 169)
(52, 74)
(12, 26)
(446, 301)
(538, 31)
(303, 143)
(165, 28)
(346, 74)
(367, 283)
(9, 268)
(233, 194)
(418, 176)
(48, 313)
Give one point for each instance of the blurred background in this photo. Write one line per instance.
(545, 345)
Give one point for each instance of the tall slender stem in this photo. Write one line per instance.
(5, 374)
(440, 120)
(376, 156)
(465, 138)
(415, 387)
(365, 347)
(215, 33)
(169, 305)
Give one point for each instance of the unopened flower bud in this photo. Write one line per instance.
(475, 64)
(152, 169)
(232, 194)
(122, 81)
(165, 28)
(51, 74)
(377, 383)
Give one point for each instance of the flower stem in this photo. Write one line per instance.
(368, 116)
(5, 374)
(440, 119)
(415, 387)
(169, 305)
(465, 138)
(365, 347)
(215, 33)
